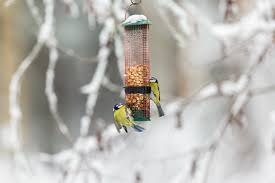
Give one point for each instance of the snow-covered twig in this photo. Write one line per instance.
(15, 85)
(51, 43)
(78, 58)
(48, 36)
(15, 90)
(177, 36)
(185, 26)
(34, 12)
(119, 53)
(93, 87)
(111, 86)
(239, 102)
(50, 91)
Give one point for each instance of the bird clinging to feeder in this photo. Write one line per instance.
(137, 66)
(155, 94)
(123, 119)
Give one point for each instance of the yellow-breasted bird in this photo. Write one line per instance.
(123, 118)
(155, 94)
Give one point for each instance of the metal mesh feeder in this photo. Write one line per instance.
(137, 66)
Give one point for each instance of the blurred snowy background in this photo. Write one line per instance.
(61, 72)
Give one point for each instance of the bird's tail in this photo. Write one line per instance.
(160, 111)
(137, 128)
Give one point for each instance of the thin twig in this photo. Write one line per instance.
(15, 89)
(50, 91)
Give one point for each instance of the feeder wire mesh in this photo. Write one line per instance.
(137, 69)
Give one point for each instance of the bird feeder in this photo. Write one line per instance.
(137, 66)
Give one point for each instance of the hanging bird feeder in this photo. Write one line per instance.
(137, 66)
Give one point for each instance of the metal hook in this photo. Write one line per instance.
(135, 2)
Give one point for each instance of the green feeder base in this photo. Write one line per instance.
(139, 116)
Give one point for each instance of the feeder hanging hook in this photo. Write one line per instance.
(135, 2)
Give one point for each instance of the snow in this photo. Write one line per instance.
(209, 90)
(47, 27)
(230, 87)
(34, 11)
(135, 19)
(161, 154)
(239, 102)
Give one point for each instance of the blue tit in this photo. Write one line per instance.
(155, 94)
(123, 118)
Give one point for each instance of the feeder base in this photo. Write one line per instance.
(139, 116)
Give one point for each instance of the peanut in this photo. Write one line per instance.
(138, 75)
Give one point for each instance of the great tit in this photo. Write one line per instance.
(123, 118)
(155, 94)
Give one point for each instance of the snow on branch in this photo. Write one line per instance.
(92, 89)
(238, 103)
(15, 89)
(50, 91)
(48, 36)
(34, 11)
(15, 85)
(189, 18)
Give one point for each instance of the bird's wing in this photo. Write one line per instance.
(129, 113)
(155, 91)
(158, 93)
(118, 126)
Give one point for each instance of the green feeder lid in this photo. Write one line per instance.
(136, 20)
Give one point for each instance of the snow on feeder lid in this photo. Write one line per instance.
(137, 66)
(136, 20)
